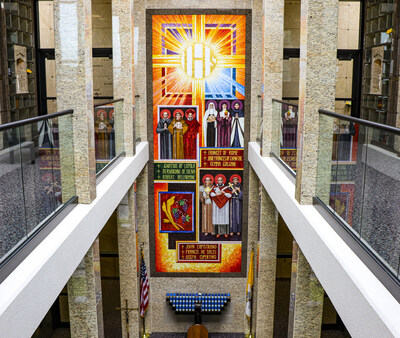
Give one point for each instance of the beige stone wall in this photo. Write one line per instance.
(348, 31)
(101, 23)
(163, 318)
(348, 27)
(344, 79)
(101, 38)
(102, 77)
(291, 72)
(46, 24)
(292, 24)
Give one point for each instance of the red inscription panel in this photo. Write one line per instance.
(221, 158)
(199, 253)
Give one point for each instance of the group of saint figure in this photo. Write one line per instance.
(178, 137)
(225, 128)
(221, 205)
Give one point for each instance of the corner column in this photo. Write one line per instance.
(74, 84)
(253, 242)
(128, 276)
(267, 266)
(307, 300)
(85, 298)
(318, 60)
(142, 198)
(122, 39)
(273, 11)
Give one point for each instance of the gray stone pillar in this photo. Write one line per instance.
(140, 71)
(318, 54)
(128, 276)
(253, 240)
(142, 198)
(308, 299)
(74, 82)
(267, 266)
(273, 65)
(293, 279)
(122, 33)
(257, 36)
(85, 298)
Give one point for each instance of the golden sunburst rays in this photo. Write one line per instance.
(175, 36)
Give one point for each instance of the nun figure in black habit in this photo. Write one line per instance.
(237, 130)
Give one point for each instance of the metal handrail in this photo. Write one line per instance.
(360, 121)
(107, 102)
(35, 119)
(285, 102)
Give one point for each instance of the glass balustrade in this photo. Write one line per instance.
(285, 115)
(359, 181)
(259, 121)
(36, 176)
(105, 135)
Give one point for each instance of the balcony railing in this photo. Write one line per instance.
(359, 183)
(33, 188)
(287, 115)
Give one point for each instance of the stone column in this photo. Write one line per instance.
(272, 65)
(267, 266)
(140, 73)
(253, 239)
(293, 279)
(256, 64)
(127, 252)
(318, 54)
(84, 296)
(122, 34)
(74, 82)
(142, 198)
(308, 301)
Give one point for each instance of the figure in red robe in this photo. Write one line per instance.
(190, 137)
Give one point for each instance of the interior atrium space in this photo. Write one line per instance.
(199, 169)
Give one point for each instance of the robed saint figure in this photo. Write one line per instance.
(224, 121)
(210, 126)
(235, 212)
(165, 136)
(178, 128)
(237, 135)
(220, 196)
(190, 137)
(206, 205)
